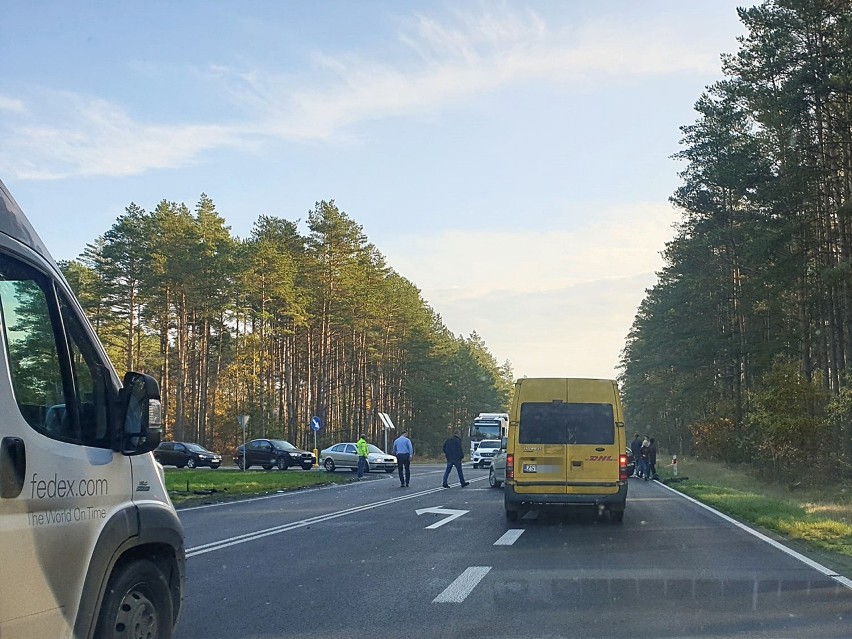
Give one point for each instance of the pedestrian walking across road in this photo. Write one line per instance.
(404, 451)
(455, 454)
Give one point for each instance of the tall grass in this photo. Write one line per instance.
(818, 517)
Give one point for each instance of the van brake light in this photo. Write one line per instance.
(510, 466)
(622, 467)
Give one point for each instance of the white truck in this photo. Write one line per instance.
(90, 543)
(488, 426)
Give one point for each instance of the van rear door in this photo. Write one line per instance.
(592, 451)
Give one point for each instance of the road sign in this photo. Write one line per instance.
(316, 423)
(452, 514)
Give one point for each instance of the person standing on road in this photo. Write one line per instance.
(636, 446)
(404, 451)
(645, 459)
(363, 451)
(652, 459)
(455, 454)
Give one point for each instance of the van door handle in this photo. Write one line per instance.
(13, 466)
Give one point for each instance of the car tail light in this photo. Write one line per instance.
(510, 466)
(622, 467)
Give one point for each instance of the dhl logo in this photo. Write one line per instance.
(602, 458)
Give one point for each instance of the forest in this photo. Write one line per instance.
(281, 327)
(742, 349)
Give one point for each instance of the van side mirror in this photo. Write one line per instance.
(141, 417)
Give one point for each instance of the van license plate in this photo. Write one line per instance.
(529, 468)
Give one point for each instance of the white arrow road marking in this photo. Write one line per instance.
(453, 514)
(464, 584)
(510, 537)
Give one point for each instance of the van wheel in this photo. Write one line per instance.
(190, 463)
(137, 603)
(616, 516)
(512, 515)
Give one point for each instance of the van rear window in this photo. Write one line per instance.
(557, 423)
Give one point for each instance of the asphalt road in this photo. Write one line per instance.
(359, 561)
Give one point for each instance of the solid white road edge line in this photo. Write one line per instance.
(828, 572)
(464, 584)
(510, 537)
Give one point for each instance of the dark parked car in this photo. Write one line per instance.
(273, 452)
(187, 454)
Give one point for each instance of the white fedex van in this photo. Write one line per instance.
(90, 544)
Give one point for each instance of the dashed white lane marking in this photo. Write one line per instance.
(510, 537)
(464, 584)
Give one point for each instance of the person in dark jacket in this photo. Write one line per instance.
(652, 459)
(455, 454)
(645, 460)
(636, 447)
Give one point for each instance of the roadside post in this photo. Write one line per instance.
(316, 424)
(674, 465)
(387, 423)
(243, 421)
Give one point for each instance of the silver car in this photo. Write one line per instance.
(345, 455)
(497, 472)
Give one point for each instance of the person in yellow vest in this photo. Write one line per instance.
(363, 451)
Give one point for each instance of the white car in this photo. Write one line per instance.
(485, 452)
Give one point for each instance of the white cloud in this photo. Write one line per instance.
(96, 137)
(565, 296)
(461, 60)
(615, 243)
(12, 105)
(438, 65)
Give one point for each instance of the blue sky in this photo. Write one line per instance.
(512, 159)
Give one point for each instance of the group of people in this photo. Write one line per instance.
(403, 450)
(644, 457)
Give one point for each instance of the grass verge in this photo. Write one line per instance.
(198, 486)
(818, 519)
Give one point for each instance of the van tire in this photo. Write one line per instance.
(616, 516)
(137, 601)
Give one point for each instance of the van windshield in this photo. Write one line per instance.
(550, 423)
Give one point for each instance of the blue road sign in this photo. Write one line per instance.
(316, 423)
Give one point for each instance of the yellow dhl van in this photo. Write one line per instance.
(566, 446)
(90, 543)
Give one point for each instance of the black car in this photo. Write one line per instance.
(631, 463)
(187, 454)
(272, 452)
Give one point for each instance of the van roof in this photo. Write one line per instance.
(15, 224)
